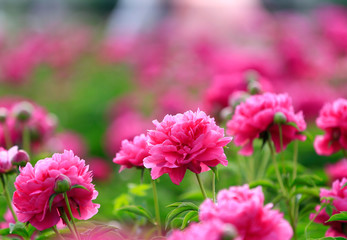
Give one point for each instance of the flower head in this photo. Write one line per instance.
(244, 209)
(6, 157)
(132, 153)
(332, 119)
(191, 140)
(255, 118)
(35, 185)
(337, 171)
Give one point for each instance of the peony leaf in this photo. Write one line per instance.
(306, 180)
(263, 183)
(307, 191)
(19, 229)
(293, 124)
(51, 199)
(138, 210)
(79, 186)
(138, 189)
(183, 207)
(4, 231)
(344, 185)
(189, 217)
(342, 216)
(329, 209)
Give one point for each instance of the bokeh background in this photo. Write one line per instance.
(106, 69)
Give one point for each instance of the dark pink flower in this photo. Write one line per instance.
(254, 119)
(100, 168)
(337, 171)
(132, 153)
(191, 140)
(207, 230)
(35, 185)
(244, 209)
(338, 194)
(333, 120)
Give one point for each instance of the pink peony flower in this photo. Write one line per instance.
(337, 171)
(209, 230)
(191, 140)
(100, 168)
(6, 157)
(244, 209)
(8, 217)
(132, 153)
(339, 196)
(255, 117)
(332, 119)
(35, 185)
(68, 140)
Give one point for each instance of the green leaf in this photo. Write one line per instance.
(138, 189)
(293, 124)
(80, 186)
(344, 185)
(190, 216)
(138, 210)
(51, 199)
(183, 207)
(121, 201)
(4, 231)
(329, 210)
(306, 180)
(263, 183)
(342, 216)
(18, 229)
(307, 191)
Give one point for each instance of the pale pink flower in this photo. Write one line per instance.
(339, 195)
(332, 119)
(254, 118)
(6, 157)
(337, 171)
(132, 153)
(35, 185)
(207, 230)
(68, 140)
(244, 209)
(191, 140)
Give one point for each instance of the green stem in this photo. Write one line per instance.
(344, 153)
(66, 220)
(201, 186)
(57, 232)
(281, 146)
(26, 139)
(7, 197)
(142, 175)
(263, 165)
(278, 175)
(156, 206)
(295, 160)
(70, 213)
(214, 186)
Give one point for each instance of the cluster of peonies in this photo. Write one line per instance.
(338, 194)
(35, 186)
(241, 209)
(189, 141)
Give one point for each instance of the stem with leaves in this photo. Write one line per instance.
(156, 206)
(7, 197)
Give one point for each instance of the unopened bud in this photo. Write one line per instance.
(23, 111)
(3, 115)
(62, 184)
(251, 76)
(226, 113)
(229, 232)
(21, 158)
(280, 118)
(254, 88)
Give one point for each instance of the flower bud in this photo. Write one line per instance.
(229, 232)
(280, 118)
(251, 76)
(226, 113)
(62, 184)
(3, 115)
(254, 88)
(20, 158)
(23, 111)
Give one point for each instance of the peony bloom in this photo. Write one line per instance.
(132, 153)
(35, 185)
(6, 157)
(244, 209)
(254, 118)
(337, 171)
(339, 196)
(209, 230)
(68, 140)
(100, 168)
(332, 119)
(191, 140)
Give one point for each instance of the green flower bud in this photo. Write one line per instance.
(21, 158)
(62, 184)
(3, 115)
(280, 118)
(23, 111)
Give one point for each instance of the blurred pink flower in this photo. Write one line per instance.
(132, 153)
(6, 157)
(254, 117)
(206, 230)
(339, 195)
(191, 140)
(244, 209)
(332, 119)
(35, 185)
(100, 168)
(8, 217)
(68, 140)
(125, 126)
(337, 171)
